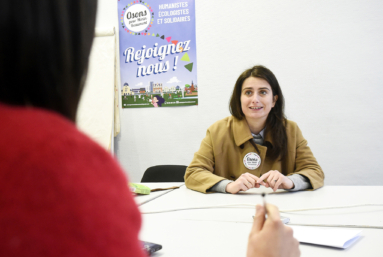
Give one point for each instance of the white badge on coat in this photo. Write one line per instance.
(252, 161)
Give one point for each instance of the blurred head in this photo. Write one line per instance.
(44, 51)
(257, 87)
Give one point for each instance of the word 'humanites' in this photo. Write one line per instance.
(173, 5)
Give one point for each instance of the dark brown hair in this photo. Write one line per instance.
(44, 51)
(276, 120)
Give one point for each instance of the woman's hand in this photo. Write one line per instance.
(243, 183)
(275, 180)
(270, 237)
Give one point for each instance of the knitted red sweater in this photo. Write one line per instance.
(60, 193)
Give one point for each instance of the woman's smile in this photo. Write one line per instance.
(256, 108)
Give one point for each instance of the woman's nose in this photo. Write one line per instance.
(254, 99)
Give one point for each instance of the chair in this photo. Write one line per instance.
(164, 173)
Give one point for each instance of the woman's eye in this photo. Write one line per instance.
(248, 93)
(263, 92)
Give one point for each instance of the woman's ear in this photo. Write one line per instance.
(275, 100)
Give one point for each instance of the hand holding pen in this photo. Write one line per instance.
(270, 237)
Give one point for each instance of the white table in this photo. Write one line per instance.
(224, 231)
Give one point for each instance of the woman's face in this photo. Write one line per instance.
(155, 100)
(257, 99)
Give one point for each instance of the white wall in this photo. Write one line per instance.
(95, 110)
(327, 56)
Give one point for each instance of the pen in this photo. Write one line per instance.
(264, 202)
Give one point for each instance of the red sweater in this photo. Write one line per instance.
(60, 193)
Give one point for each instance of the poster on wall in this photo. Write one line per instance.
(158, 58)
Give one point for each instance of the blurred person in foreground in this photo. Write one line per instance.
(61, 194)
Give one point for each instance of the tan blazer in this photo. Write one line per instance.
(227, 142)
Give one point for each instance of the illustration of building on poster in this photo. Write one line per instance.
(158, 57)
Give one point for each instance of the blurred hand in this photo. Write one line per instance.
(243, 183)
(275, 180)
(271, 237)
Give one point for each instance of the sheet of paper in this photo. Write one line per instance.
(340, 238)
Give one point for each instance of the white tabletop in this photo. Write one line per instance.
(224, 231)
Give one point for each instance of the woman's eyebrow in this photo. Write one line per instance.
(246, 88)
(264, 88)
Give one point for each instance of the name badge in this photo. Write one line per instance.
(252, 161)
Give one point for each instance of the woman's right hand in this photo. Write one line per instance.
(243, 183)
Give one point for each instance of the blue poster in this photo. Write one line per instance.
(158, 55)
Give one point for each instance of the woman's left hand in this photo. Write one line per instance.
(275, 180)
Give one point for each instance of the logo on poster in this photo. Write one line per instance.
(137, 17)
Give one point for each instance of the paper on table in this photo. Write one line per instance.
(340, 238)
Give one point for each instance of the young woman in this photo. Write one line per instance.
(255, 146)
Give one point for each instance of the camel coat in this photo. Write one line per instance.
(227, 142)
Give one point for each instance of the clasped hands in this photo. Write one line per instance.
(274, 179)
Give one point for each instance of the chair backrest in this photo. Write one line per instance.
(164, 173)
